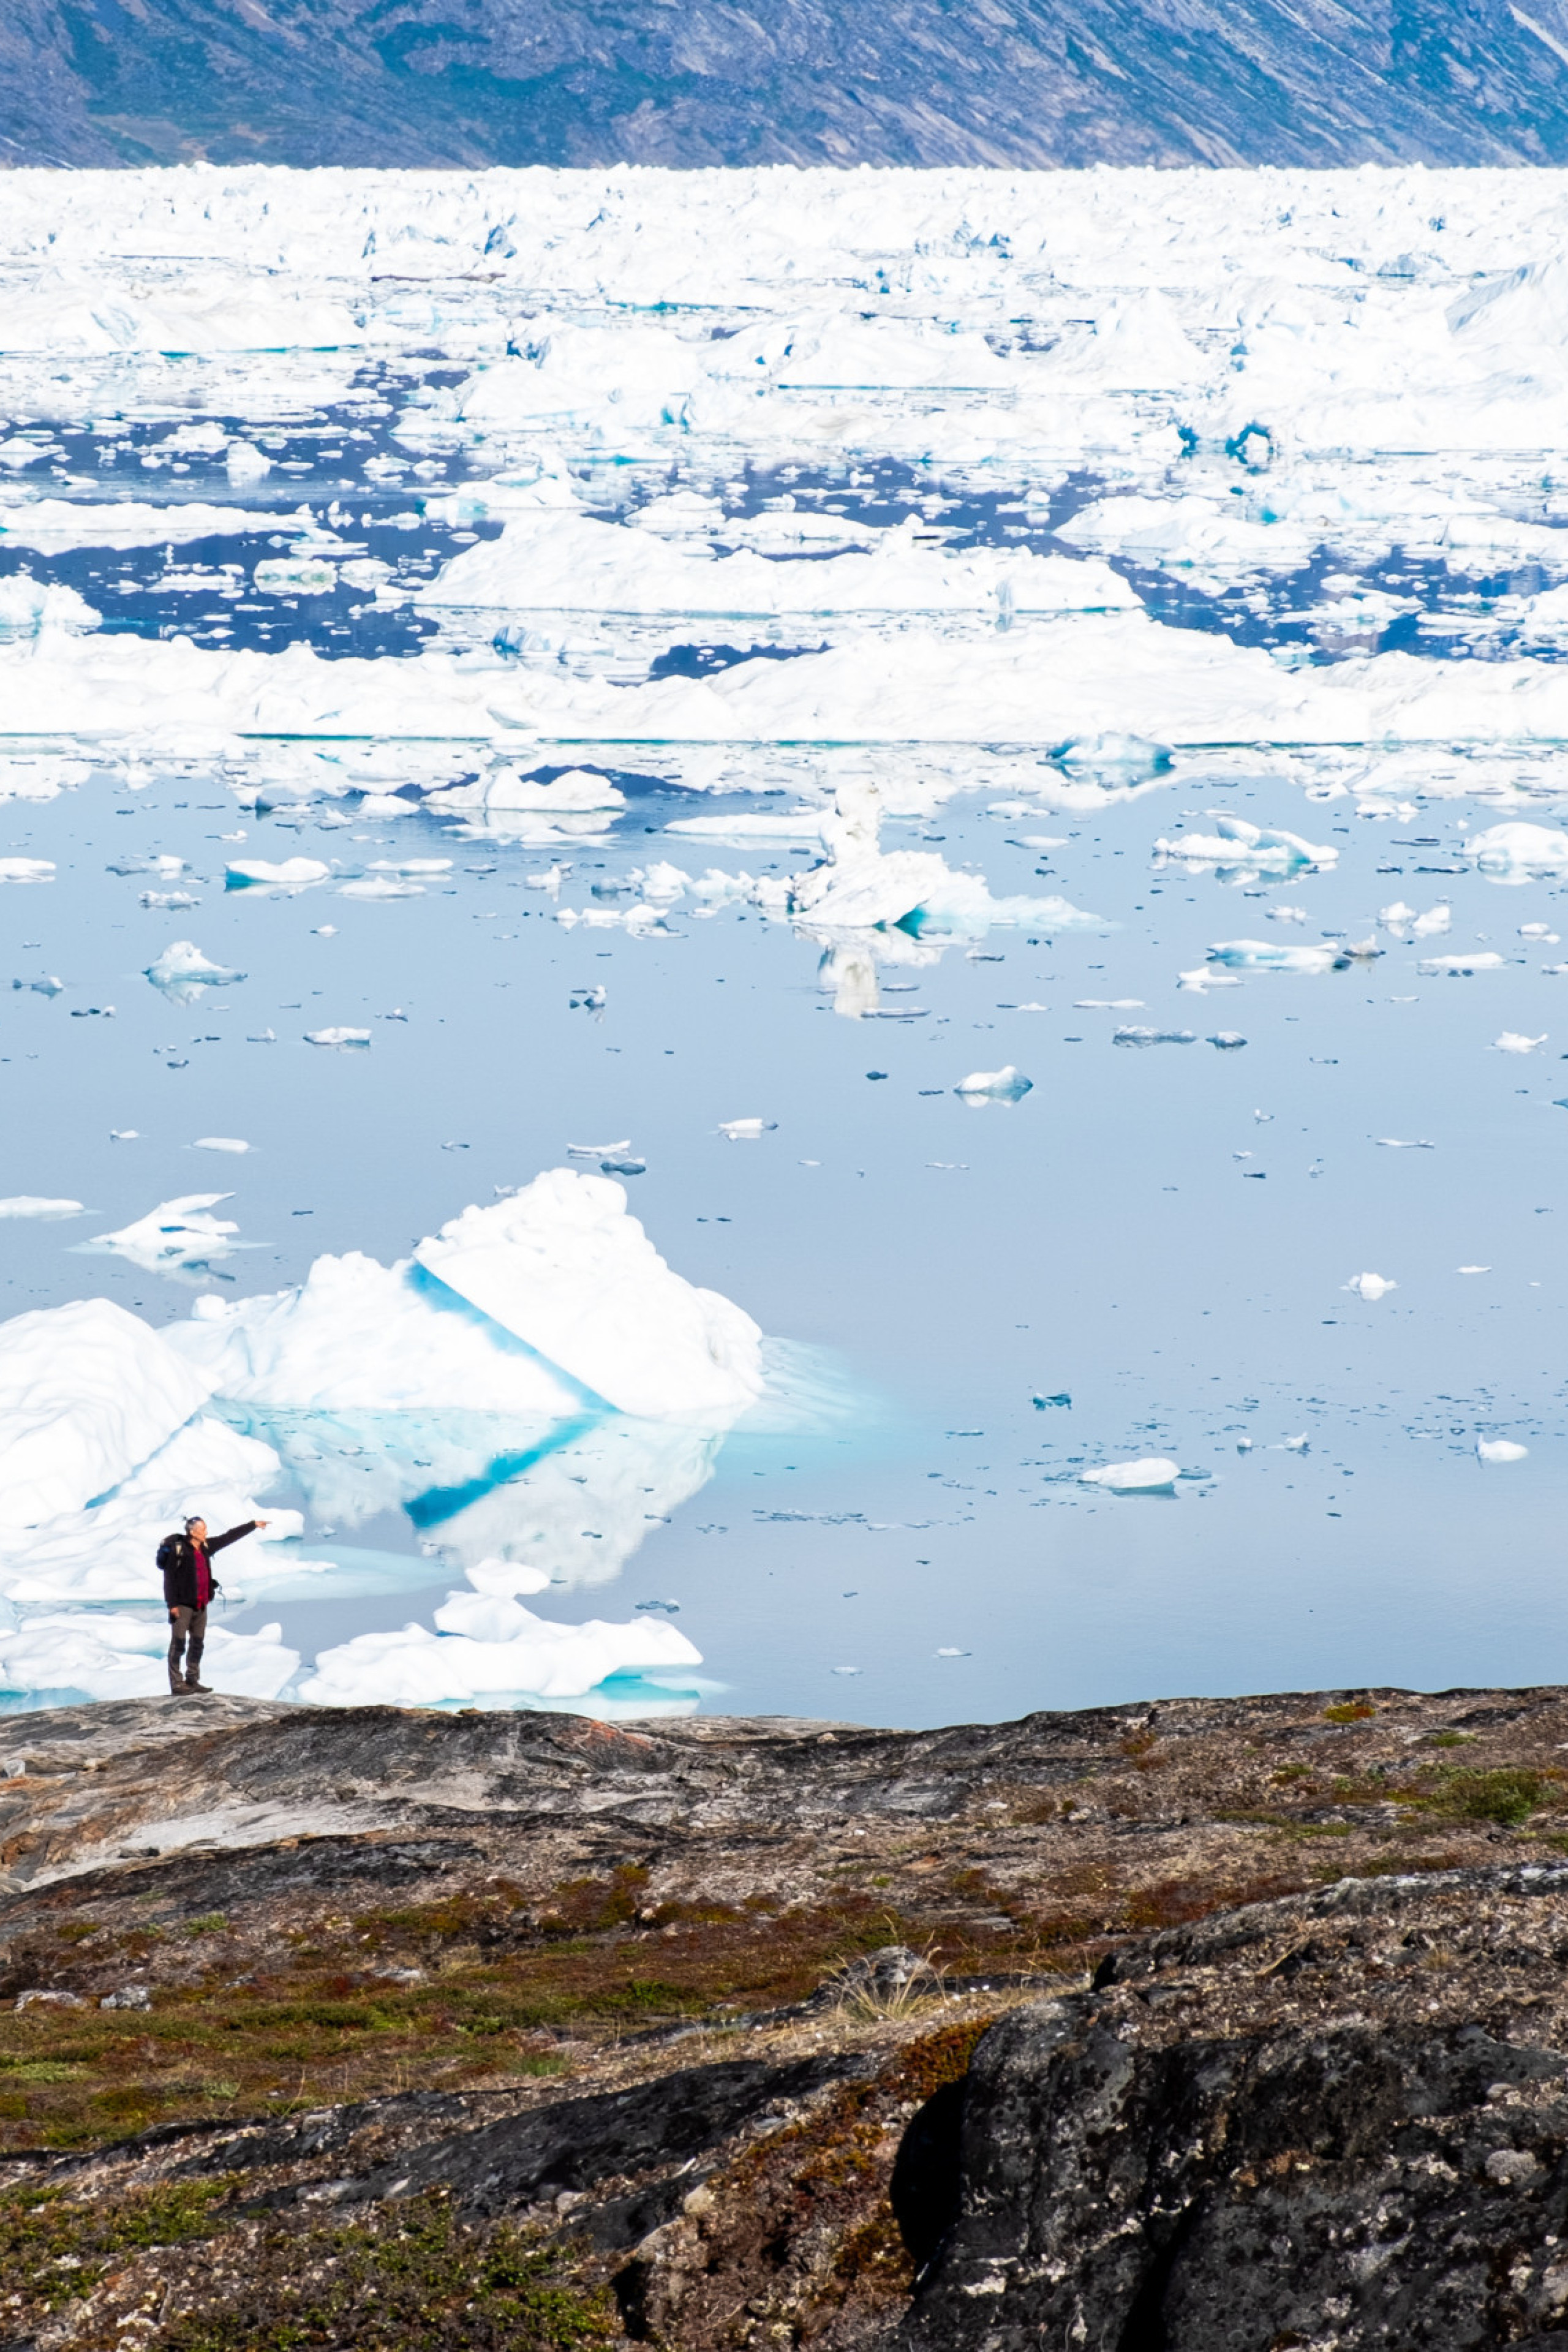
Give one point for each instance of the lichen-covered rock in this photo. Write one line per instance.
(1334, 2121)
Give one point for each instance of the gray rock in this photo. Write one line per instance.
(1340, 2119)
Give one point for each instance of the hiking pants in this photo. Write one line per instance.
(186, 1625)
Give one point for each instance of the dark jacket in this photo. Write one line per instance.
(180, 1576)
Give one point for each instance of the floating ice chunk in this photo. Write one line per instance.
(1262, 955)
(856, 888)
(295, 575)
(1199, 982)
(1235, 843)
(1138, 1036)
(1432, 923)
(1459, 966)
(1371, 1286)
(578, 792)
(600, 1151)
(994, 1085)
(1515, 851)
(1287, 914)
(1513, 1042)
(292, 874)
(746, 1130)
(563, 1266)
(244, 463)
(1229, 1041)
(86, 1392)
(1472, 1269)
(1397, 916)
(530, 1656)
(337, 1036)
(358, 1336)
(35, 1204)
(1152, 1475)
(29, 607)
(26, 869)
(105, 1656)
(1404, 1143)
(182, 972)
(1497, 1450)
(1540, 931)
(168, 901)
(1296, 1445)
(381, 885)
(175, 1234)
(507, 1578)
(221, 1143)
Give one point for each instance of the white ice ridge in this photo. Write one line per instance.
(1056, 681)
(96, 1654)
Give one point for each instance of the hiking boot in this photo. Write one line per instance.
(205, 1688)
(179, 1690)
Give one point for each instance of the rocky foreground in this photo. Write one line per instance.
(1212, 2023)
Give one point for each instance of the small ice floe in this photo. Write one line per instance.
(176, 1233)
(1141, 1037)
(1541, 933)
(1098, 1004)
(1229, 1041)
(1287, 915)
(50, 986)
(589, 1000)
(1405, 922)
(168, 901)
(324, 931)
(221, 1143)
(124, 1135)
(955, 1653)
(380, 886)
(747, 1130)
(184, 973)
(337, 1036)
(491, 1647)
(994, 1086)
(26, 869)
(1472, 1269)
(1459, 966)
(1494, 1451)
(293, 873)
(1266, 955)
(1153, 1476)
(1237, 845)
(1371, 1286)
(1514, 852)
(1512, 1041)
(1404, 1143)
(1198, 981)
(1041, 1403)
(34, 1204)
(599, 1150)
(616, 1166)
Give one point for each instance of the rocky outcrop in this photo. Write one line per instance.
(1159, 2029)
(1339, 2120)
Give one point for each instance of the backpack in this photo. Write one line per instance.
(169, 1552)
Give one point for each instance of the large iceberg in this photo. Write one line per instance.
(567, 1270)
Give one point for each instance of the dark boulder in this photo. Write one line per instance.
(1337, 2120)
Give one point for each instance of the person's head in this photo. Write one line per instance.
(196, 1530)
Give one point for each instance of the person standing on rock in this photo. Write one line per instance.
(188, 1586)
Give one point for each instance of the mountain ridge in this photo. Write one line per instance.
(1032, 83)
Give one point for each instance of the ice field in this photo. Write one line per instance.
(786, 940)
